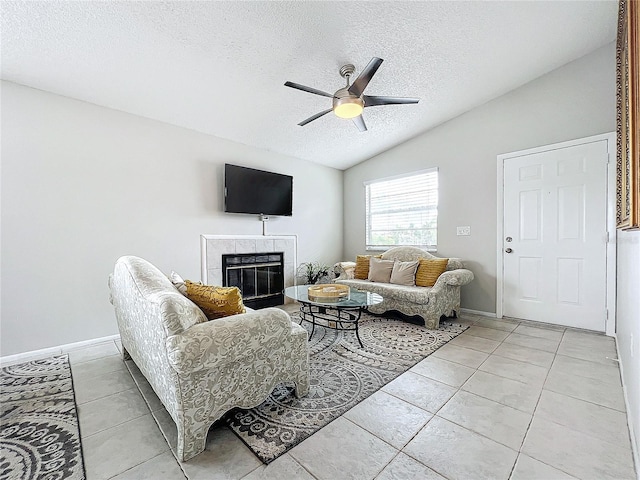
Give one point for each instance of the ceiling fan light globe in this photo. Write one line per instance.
(348, 107)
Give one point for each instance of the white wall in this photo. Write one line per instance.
(628, 324)
(83, 185)
(574, 101)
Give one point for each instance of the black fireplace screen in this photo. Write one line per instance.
(259, 276)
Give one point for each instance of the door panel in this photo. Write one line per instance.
(571, 205)
(555, 205)
(530, 215)
(570, 280)
(530, 278)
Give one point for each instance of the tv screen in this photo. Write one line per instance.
(247, 190)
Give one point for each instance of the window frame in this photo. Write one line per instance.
(368, 183)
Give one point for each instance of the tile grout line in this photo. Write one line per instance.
(401, 450)
(301, 466)
(519, 451)
(131, 468)
(110, 395)
(435, 414)
(478, 369)
(526, 433)
(460, 390)
(166, 439)
(556, 354)
(96, 359)
(103, 396)
(117, 424)
(524, 438)
(587, 401)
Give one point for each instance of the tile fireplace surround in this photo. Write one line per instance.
(212, 248)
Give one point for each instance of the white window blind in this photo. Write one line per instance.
(403, 211)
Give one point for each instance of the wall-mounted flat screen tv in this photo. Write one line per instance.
(247, 190)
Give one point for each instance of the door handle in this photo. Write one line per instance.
(508, 250)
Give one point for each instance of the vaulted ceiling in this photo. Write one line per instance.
(220, 67)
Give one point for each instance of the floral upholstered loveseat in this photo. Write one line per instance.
(427, 303)
(201, 369)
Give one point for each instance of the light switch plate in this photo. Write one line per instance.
(463, 230)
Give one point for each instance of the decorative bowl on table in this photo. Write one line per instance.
(328, 292)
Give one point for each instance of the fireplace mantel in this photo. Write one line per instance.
(212, 248)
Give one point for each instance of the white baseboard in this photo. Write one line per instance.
(47, 352)
(634, 443)
(477, 312)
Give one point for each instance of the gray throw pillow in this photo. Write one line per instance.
(404, 273)
(380, 270)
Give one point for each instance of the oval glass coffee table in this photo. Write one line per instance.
(341, 314)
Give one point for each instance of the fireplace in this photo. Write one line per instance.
(259, 276)
(213, 247)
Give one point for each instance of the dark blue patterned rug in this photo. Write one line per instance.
(39, 434)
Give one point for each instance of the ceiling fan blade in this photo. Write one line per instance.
(314, 117)
(375, 101)
(359, 122)
(365, 77)
(307, 89)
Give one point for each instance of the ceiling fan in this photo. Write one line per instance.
(348, 102)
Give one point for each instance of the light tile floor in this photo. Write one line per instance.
(504, 400)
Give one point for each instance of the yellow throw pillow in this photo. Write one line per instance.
(362, 267)
(429, 270)
(361, 271)
(215, 302)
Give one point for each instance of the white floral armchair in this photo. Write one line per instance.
(201, 369)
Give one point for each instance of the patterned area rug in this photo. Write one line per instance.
(39, 435)
(342, 375)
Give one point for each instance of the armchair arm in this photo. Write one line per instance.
(458, 277)
(344, 270)
(227, 340)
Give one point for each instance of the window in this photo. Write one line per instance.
(403, 211)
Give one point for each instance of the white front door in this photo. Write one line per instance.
(555, 236)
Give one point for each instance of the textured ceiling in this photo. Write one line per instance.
(219, 67)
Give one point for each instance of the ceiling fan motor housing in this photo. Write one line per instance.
(347, 105)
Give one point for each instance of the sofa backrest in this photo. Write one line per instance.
(134, 276)
(148, 310)
(409, 254)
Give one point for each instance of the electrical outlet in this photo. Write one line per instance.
(463, 230)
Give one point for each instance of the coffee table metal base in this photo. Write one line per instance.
(342, 318)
